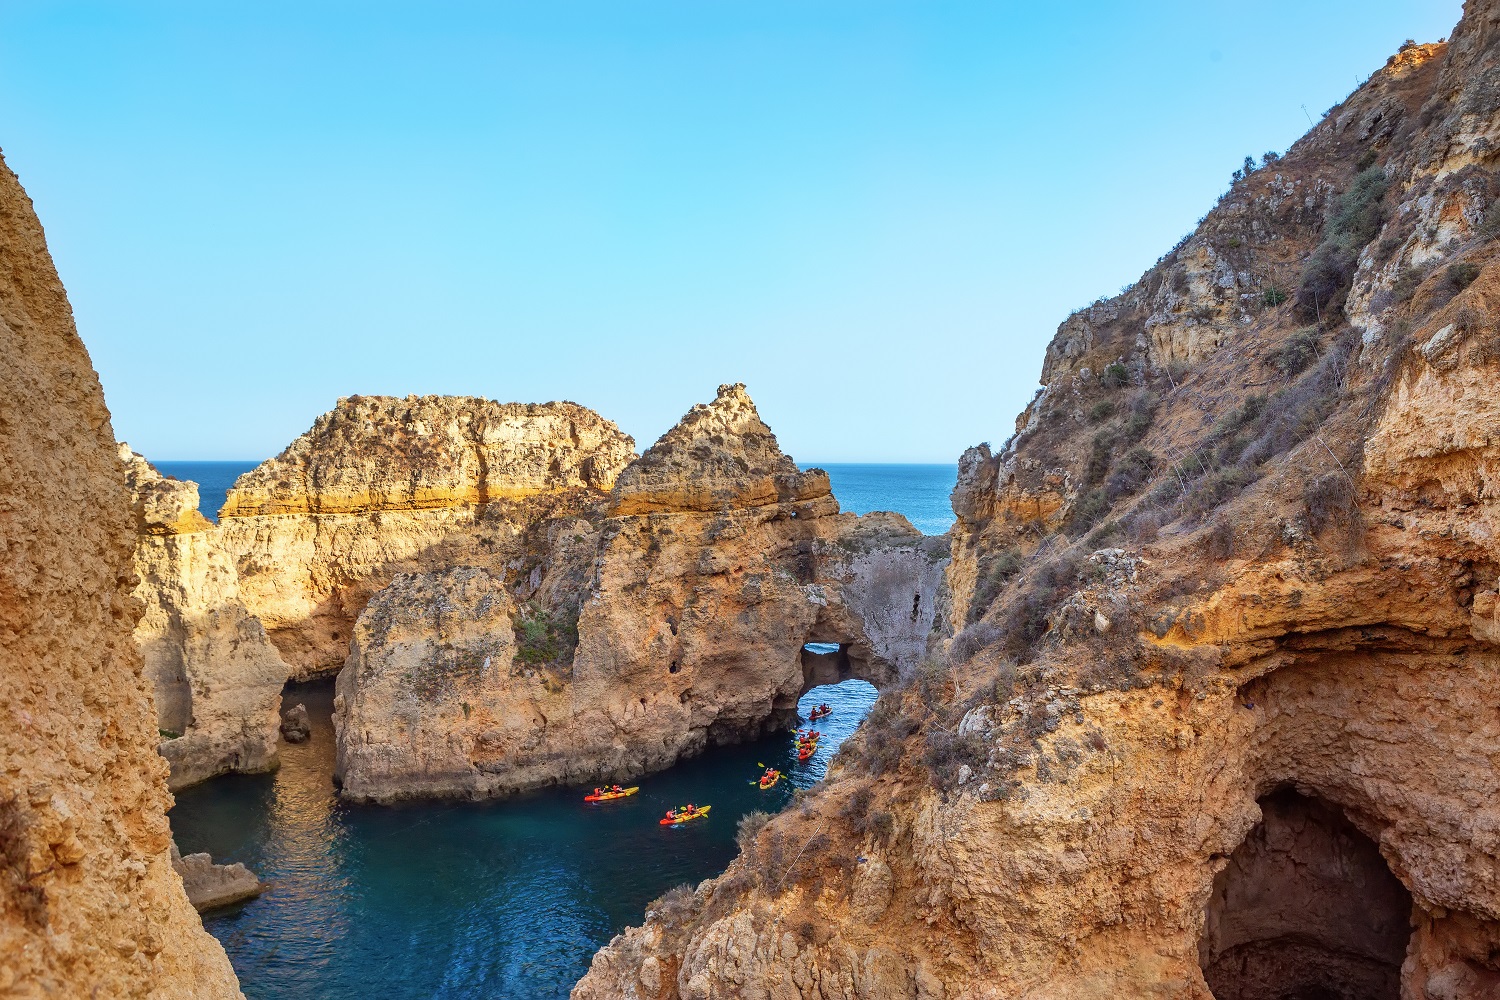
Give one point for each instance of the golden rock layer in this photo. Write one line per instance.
(630, 641)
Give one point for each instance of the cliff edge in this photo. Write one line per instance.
(89, 904)
(1213, 721)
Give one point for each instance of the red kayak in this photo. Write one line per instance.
(821, 712)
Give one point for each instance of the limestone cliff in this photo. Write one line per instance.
(89, 904)
(1214, 721)
(720, 456)
(383, 486)
(217, 678)
(640, 637)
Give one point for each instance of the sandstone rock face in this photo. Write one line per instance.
(216, 677)
(210, 886)
(638, 638)
(382, 486)
(1213, 722)
(380, 453)
(720, 456)
(88, 900)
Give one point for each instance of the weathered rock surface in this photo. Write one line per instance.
(1214, 717)
(642, 637)
(720, 456)
(89, 905)
(210, 886)
(381, 453)
(216, 676)
(383, 486)
(295, 725)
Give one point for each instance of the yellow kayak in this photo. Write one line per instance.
(672, 819)
(607, 796)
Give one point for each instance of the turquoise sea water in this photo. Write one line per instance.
(921, 492)
(505, 900)
(213, 479)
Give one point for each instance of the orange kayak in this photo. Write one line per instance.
(807, 748)
(607, 796)
(676, 818)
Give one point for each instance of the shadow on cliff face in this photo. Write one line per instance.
(1305, 910)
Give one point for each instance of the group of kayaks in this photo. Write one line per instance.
(807, 745)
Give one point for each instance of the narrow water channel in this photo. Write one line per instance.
(505, 900)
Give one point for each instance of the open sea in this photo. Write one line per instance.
(503, 900)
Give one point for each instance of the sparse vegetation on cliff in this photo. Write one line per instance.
(546, 635)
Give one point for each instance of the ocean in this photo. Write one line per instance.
(505, 900)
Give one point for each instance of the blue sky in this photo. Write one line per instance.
(875, 214)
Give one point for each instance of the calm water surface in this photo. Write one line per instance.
(506, 900)
(919, 491)
(213, 479)
(502, 900)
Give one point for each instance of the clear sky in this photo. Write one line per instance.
(875, 214)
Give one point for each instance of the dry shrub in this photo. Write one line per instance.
(15, 877)
(676, 908)
(1330, 502)
(1219, 541)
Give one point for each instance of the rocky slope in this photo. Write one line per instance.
(673, 620)
(381, 486)
(1225, 624)
(216, 677)
(89, 904)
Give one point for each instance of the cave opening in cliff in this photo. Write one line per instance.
(825, 663)
(1305, 910)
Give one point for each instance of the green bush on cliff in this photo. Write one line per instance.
(545, 635)
(1356, 219)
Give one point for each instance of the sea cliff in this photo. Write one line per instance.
(1212, 720)
(89, 903)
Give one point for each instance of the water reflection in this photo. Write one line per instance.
(505, 900)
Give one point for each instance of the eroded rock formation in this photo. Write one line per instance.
(673, 619)
(89, 904)
(1225, 621)
(210, 886)
(216, 677)
(382, 486)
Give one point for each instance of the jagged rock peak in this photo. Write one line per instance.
(162, 505)
(720, 456)
(420, 452)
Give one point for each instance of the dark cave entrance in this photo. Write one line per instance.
(1306, 910)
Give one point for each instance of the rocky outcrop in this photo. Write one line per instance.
(380, 453)
(217, 678)
(1223, 631)
(89, 904)
(296, 727)
(720, 456)
(675, 622)
(210, 886)
(383, 486)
